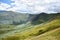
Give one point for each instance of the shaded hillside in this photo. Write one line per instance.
(43, 17)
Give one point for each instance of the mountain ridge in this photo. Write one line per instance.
(9, 17)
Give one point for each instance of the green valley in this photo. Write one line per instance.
(17, 26)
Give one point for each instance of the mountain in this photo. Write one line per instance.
(9, 17)
(43, 17)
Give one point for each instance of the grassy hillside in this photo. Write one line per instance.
(51, 35)
(33, 31)
(42, 28)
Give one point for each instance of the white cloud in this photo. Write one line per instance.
(32, 6)
(4, 6)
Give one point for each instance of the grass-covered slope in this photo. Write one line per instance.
(34, 31)
(41, 29)
(51, 35)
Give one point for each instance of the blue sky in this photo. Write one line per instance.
(30, 6)
(6, 1)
